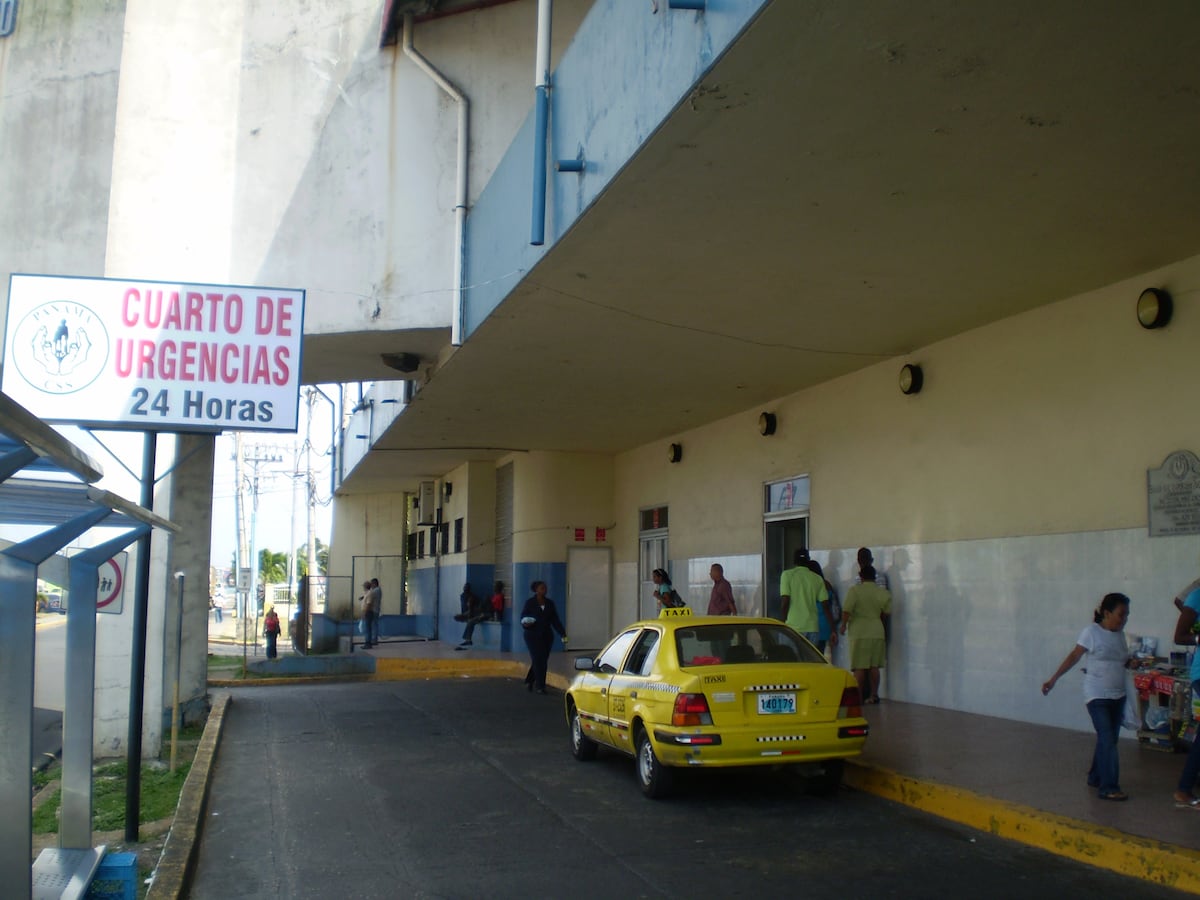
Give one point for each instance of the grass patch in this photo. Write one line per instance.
(159, 797)
(158, 794)
(42, 777)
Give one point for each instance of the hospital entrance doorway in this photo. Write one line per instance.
(785, 530)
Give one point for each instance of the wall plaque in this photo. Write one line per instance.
(1173, 495)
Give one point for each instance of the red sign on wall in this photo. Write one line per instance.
(600, 535)
(580, 534)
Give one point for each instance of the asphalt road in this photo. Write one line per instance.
(466, 788)
(50, 663)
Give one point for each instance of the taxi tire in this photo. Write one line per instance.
(583, 748)
(827, 783)
(653, 777)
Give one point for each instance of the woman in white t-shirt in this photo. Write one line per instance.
(1103, 642)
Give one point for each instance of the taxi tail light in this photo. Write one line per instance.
(850, 706)
(691, 709)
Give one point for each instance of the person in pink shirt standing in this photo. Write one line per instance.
(721, 602)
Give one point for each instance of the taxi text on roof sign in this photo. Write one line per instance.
(672, 612)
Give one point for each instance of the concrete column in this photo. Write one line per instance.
(189, 499)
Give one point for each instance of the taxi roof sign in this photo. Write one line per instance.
(671, 612)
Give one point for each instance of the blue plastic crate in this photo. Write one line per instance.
(116, 879)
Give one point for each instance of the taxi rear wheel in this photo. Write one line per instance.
(653, 777)
(583, 747)
(827, 783)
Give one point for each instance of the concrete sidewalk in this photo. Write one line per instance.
(1015, 780)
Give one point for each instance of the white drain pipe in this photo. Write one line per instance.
(460, 194)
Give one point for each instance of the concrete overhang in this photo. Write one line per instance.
(41, 485)
(359, 355)
(849, 183)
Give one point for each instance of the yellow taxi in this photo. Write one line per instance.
(710, 691)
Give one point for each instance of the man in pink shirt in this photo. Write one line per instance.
(721, 602)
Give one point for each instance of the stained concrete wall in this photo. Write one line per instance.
(59, 72)
(347, 152)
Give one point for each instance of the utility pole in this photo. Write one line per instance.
(239, 552)
(312, 492)
(256, 456)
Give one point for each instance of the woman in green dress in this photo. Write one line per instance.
(863, 612)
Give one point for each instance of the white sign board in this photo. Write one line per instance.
(110, 589)
(110, 583)
(154, 356)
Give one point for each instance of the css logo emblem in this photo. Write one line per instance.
(60, 347)
(8, 17)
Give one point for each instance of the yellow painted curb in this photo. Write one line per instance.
(404, 669)
(179, 852)
(293, 679)
(409, 669)
(1106, 848)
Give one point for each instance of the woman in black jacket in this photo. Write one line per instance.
(540, 620)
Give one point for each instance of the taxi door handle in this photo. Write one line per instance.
(603, 691)
(633, 695)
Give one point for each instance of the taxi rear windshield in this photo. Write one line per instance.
(715, 645)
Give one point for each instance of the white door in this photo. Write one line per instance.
(653, 556)
(589, 596)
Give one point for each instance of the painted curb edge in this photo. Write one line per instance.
(178, 856)
(1096, 845)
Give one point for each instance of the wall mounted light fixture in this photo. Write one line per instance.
(447, 490)
(911, 379)
(675, 453)
(1154, 308)
(766, 423)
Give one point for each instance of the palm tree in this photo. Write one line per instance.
(302, 559)
(272, 567)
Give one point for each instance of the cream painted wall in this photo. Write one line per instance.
(366, 525)
(480, 537)
(1042, 423)
(555, 493)
(1038, 424)
(1003, 501)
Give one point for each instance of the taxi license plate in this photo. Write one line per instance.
(776, 704)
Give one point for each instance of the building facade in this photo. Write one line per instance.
(760, 207)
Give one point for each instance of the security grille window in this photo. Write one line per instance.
(445, 541)
(654, 519)
(420, 545)
(412, 546)
(458, 535)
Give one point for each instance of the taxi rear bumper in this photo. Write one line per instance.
(840, 739)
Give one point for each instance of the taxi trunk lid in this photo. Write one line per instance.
(801, 692)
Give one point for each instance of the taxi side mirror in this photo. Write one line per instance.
(584, 663)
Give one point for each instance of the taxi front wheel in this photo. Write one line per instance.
(653, 777)
(583, 747)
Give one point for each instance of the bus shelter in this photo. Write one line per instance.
(48, 483)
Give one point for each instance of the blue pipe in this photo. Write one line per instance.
(537, 235)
